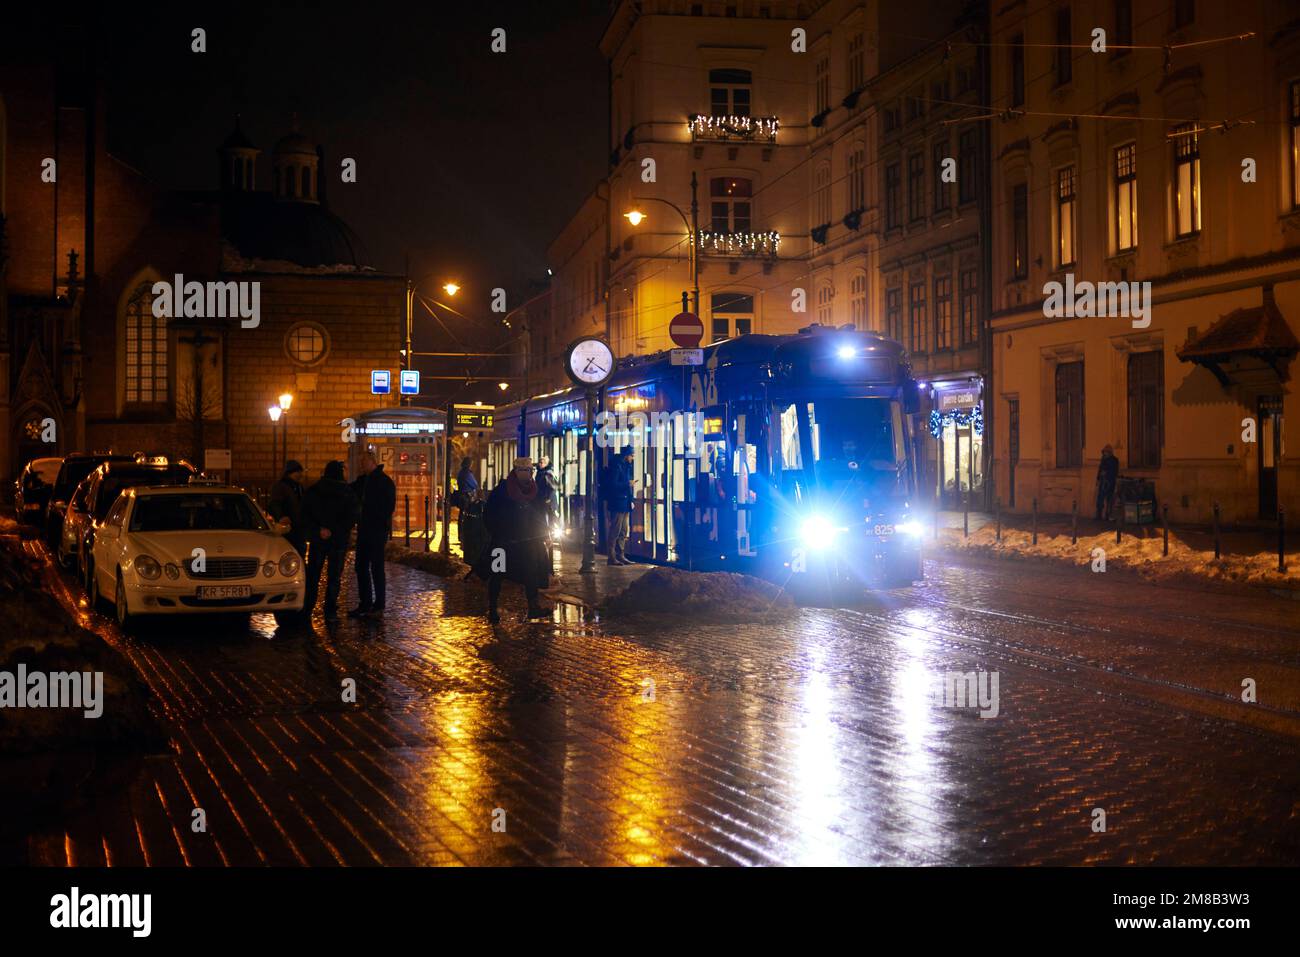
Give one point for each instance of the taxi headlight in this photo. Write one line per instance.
(147, 567)
(173, 572)
(289, 564)
(268, 569)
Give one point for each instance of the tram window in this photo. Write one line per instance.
(791, 452)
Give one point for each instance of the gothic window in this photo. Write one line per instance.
(146, 351)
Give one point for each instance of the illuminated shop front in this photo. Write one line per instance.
(956, 424)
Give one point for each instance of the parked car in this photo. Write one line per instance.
(106, 483)
(32, 489)
(76, 466)
(182, 550)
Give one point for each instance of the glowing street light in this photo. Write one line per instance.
(286, 400)
(634, 217)
(503, 386)
(451, 288)
(275, 412)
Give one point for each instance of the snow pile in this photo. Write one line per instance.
(50, 756)
(432, 562)
(702, 596)
(1140, 551)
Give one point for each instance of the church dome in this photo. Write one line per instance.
(306, 234)
(294, 144)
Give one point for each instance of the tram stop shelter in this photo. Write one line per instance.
(410, 442)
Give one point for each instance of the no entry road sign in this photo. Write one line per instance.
(686, 330)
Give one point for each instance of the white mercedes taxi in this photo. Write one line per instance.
(192, 549)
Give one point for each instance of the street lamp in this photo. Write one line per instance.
(636, 217)
(274, 412)
(503, 386)
(451, 289)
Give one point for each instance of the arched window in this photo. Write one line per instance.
(825, 295)
(146, 351)
(306, 182)
(858, 300)
(290, 183)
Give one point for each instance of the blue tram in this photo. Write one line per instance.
(790, 457)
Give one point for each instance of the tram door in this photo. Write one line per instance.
(714, 531)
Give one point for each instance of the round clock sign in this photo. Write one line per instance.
(590, 362)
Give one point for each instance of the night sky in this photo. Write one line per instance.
(469, 162)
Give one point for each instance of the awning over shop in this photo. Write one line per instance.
(1258, 332)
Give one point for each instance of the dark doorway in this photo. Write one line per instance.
(1270, 441)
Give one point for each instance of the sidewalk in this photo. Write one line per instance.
(1247, 557)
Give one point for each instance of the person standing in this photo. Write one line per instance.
(548, 487)
(286, 503)
(1107, 477)
(619, 501)
(329, 510)
(466, 483)
(378, 497)
(515, 515)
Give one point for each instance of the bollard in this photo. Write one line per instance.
(1074, 522)
(1216, 531)
(426, 523)
(997, 513)
(1281, 540)
(965, 518)
(1035, 541)
(1119, 521)
(406, 504)
(1164, 518)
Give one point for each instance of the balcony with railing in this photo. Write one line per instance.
(739, 245)
(733, 129)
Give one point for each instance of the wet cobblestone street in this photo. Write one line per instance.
(665, 742)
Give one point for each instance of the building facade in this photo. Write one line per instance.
(1172, 159)
(84, 247)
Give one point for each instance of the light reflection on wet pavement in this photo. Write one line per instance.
(665, 742)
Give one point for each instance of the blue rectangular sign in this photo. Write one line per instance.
(410, 382)
(379, 382)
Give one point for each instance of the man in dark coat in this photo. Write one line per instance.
(378, 497)
(286, 503)
(1107, 476)
(618, 499)
(515, 515)
(329, 510)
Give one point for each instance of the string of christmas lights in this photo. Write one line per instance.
(725, 128)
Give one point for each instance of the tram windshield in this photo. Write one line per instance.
(845, 439)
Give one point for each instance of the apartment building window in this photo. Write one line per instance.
(825, 298)
(968, 305)
(823, 76)
(1069, 415)
(858, 300)
(916, 316)
(1184, 13)
(893, 201)
(857, 178)
(915, 187)
(966, 167)
(1018, 70)
(730, 92)
(856, 73)
(1146, 409)
(1064, 58)
(730, 201)
(146, 351)
(915, 105)
(1065, 215)
(942, 190)
(1123, 26)
(1020, 232)
(1187, 182)
(894, 314)
(942, 313)
(1126, 185)
(1295, 144)
(892, 119)
(822, 195)
(733, 314)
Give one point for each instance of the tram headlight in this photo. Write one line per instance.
(908, 527)
(818, 532)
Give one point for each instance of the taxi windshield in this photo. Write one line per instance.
(197, 512)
